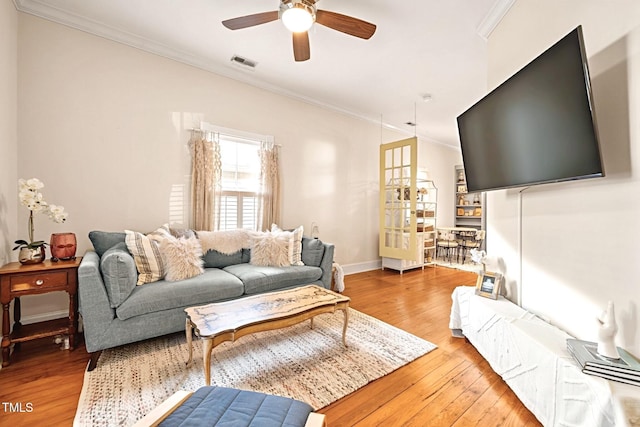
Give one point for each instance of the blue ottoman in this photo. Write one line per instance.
(221, 406)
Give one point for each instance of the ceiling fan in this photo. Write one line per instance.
(298, 16)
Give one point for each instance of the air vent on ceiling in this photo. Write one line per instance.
(244, 62)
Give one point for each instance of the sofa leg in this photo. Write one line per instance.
(94, 360)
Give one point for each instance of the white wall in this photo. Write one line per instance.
(8, 127)
(440, 161)
(103, 125)
(579, 240)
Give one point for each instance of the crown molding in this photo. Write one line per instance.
(43, 10)
(493, 18)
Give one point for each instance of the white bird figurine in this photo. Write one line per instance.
(479, 257)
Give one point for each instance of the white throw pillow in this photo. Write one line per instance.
(295, 243)
(182, 258)
(270, 249)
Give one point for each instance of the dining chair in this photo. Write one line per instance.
(446, 242)
(470, 241)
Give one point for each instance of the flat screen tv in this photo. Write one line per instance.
(537, 127)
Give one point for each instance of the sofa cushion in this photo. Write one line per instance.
(220, 406)
(215, 259)
(187, 233)
(246, 255)
(182, 258)
(213, 285)
(103, 240)
(258, 279)
(118, 273)
(312, 251)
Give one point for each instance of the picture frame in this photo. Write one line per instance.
(488, 284)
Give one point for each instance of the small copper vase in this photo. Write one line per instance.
(31, 256)
(63, 246)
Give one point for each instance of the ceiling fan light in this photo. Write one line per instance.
(297, 19)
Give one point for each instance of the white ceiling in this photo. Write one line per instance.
(420, 47)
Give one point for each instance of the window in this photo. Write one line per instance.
(240, 197)
(240, 183)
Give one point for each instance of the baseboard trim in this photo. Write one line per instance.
(361, 267)
(43, 317)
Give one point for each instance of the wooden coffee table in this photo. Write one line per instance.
(227, 321)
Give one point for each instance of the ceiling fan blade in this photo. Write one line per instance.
(301, 50)
(345, 24)
(250, 20)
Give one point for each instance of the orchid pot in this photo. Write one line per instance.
(31, 255)
(33, 251)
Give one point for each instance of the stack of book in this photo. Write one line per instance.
(625, 370)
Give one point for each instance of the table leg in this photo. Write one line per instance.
(6, 337)
(207, 347)
(344, 328)
(312, 323)
(189, 332)
(73, 320)
(17, 312)
(17, 315)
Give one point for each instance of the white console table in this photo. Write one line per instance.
(532, 358)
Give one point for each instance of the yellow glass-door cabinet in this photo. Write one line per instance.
(407, 208)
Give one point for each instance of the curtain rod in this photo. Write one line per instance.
(222, 133)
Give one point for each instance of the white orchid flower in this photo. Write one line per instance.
(32, 199)
(57, 213)
(32, 184)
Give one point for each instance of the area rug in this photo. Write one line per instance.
(307, 364)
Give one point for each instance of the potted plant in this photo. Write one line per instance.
(32, 251)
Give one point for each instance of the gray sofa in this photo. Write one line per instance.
(115, 312)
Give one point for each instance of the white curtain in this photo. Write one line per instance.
(206, 173)
(269, 208)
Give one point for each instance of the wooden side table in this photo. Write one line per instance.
(17, 280)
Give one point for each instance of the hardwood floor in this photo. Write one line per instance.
(451, 386)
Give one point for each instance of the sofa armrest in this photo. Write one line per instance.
(327, 264)
(93, 301)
